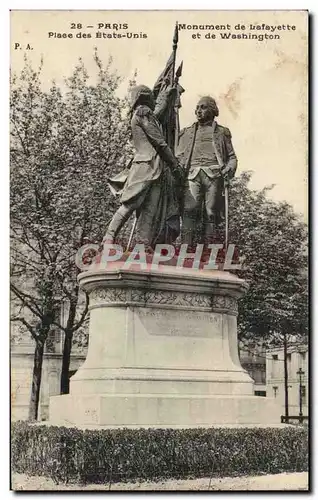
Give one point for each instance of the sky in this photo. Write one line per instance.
(260, 85)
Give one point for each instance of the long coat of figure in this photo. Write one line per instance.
(149, 187)
(206, 153)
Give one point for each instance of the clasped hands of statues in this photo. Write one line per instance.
(179, 174)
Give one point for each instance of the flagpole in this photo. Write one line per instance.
(173, 118)
(174, 48)
(177, 105)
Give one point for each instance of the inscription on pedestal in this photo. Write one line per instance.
(91, 414)
(179, 323)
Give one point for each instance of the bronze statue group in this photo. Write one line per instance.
(177, 193)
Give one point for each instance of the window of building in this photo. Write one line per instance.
(263, 377)
(258, 373)
(275, 389)
(289, 356)
(303, 355)
(275, 357)
(50, 343)
(260, 393)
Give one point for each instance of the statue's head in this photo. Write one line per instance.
(141, 95)
(206, 109)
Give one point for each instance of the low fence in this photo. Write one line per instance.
(294, 419)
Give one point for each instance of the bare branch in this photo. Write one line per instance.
(26, 324)
(28, 300)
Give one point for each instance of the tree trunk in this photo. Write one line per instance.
(65, 383)
(286, 377)
(67, 348)
(36, 381)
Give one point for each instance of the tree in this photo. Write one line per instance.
(273, 240)
(33, 248)
(63, 145)
(93, 139)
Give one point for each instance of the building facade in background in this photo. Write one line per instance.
(297, 363)
(22, 358)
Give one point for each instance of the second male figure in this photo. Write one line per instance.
(206, 153)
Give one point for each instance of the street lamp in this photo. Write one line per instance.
(300, 373)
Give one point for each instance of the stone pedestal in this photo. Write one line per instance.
(162, 352)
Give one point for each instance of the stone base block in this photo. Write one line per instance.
(162, 353)
(149, 410)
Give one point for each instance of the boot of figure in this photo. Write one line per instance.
(117, 222)
(210, 234)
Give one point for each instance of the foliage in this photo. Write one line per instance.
(63, 146)
(273, 240)
(105, 456)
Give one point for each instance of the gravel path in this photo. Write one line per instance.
(278, 482)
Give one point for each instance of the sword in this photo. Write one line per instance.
(226, 210)
(131, 233)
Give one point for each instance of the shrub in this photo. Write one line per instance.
(105, 456)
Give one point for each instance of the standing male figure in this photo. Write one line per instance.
(149, 187)
(206, 153)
